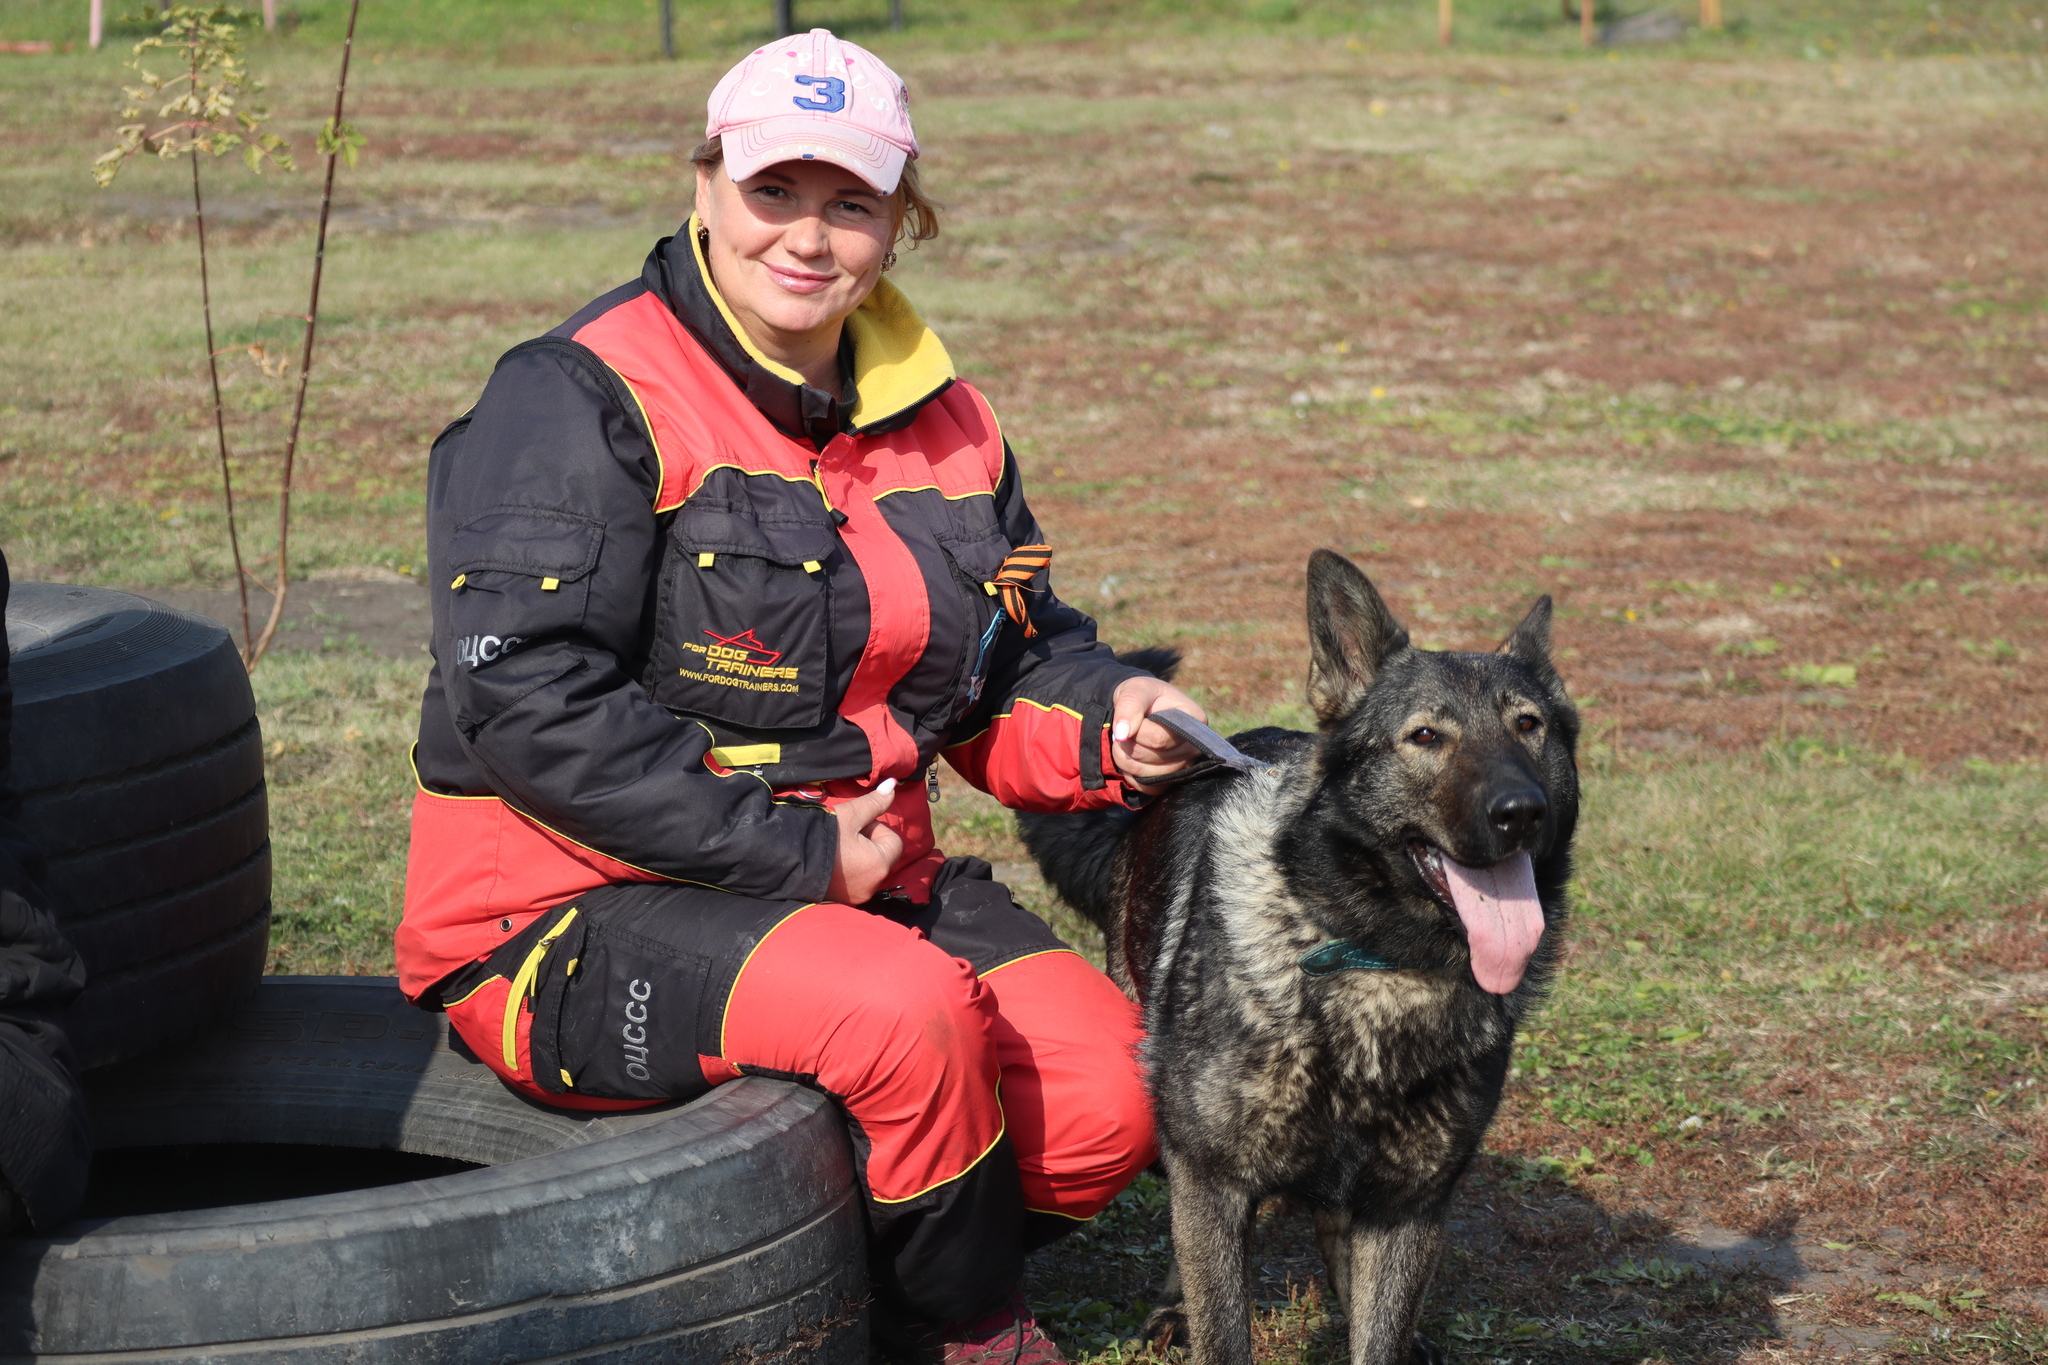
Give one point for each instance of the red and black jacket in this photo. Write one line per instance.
(683, 602)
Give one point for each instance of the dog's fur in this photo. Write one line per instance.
(1364, 1094)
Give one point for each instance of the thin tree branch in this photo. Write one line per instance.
(220, 426)
(337, 133)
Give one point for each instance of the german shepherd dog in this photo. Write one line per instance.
(1333, 953)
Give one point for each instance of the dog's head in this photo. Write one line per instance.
(1448, 784)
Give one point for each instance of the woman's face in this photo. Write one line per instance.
(796, 247)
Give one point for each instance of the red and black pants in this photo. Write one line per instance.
(987, 1071)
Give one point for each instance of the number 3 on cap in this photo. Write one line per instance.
(828, 94)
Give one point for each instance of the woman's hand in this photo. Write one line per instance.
(1145, 749)
(867, 851)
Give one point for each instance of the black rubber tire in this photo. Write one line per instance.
(141, 762)
(726, 1229)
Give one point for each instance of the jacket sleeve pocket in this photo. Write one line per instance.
(537, 541)
(520, 575)
(743, 634)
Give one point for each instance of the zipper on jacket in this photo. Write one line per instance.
(968, 675)
(839, 518)
(978, 676)
(931, 784)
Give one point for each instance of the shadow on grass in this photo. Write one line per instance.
(1542, 1272)
(1534, 1272)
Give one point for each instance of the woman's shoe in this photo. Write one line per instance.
(1009, 1335)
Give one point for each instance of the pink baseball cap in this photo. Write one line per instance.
(813, 98)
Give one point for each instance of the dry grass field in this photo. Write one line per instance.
(1739, 349)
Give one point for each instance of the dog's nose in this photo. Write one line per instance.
(1518, 814)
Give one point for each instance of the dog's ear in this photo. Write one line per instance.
(1351, 635)
(1530, 641)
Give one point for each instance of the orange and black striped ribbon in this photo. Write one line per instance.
(1013, 580)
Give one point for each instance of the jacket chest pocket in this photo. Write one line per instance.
(744, 617)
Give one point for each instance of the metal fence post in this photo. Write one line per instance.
(785, 18)
(668, 29)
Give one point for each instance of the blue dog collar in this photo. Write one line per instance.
(1343, 955)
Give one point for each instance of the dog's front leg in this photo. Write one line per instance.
(1210, 1220)
(1390, 1267)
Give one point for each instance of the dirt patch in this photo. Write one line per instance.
(365, 611)
(1544, 1274)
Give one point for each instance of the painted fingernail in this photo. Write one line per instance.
(1121, 731)
(888, 786)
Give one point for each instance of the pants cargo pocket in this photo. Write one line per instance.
(621, 1018)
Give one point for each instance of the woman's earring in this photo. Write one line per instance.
(704, 240)
(888, 261)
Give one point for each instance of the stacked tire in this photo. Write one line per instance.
(727, 1229)
(138, 753)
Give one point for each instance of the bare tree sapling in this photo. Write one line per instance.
(202, 110)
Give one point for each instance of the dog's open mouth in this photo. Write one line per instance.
(1503, 919)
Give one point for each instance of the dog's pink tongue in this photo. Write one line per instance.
(1503, 919)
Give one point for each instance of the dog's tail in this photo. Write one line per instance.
(1161, 661)
(1076, 853)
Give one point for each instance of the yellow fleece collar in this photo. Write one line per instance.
(898, 361)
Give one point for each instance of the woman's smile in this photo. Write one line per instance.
(797, 280)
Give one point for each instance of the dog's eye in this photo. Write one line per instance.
(1425, 737)
(1525, 724)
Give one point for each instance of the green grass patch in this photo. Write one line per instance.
(336, 732)
(1730, 910)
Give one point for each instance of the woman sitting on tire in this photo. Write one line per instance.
(720, 562)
